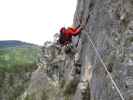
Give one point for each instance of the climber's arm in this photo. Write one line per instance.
(76, 31)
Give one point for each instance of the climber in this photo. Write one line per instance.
(65, 38)
(66, 35)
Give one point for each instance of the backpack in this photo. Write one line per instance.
(63, 39)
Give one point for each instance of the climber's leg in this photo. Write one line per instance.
(70, 49)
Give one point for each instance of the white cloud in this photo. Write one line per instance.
(34, 21)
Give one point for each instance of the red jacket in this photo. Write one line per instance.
(66, 37)
(69, 32)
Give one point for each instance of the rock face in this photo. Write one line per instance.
(110, 26)
(109, 23)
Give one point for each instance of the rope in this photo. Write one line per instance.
(104, 65)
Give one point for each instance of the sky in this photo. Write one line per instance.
(34, 21)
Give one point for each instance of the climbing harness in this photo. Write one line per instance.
(105, 67)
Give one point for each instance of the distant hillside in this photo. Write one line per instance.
(14, 43)
(16, 53)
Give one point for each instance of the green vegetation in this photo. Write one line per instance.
(16, 65)
(41, 96)
(14, 58)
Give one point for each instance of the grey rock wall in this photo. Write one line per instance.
(110, 27)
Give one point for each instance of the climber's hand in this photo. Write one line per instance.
(81, 27)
